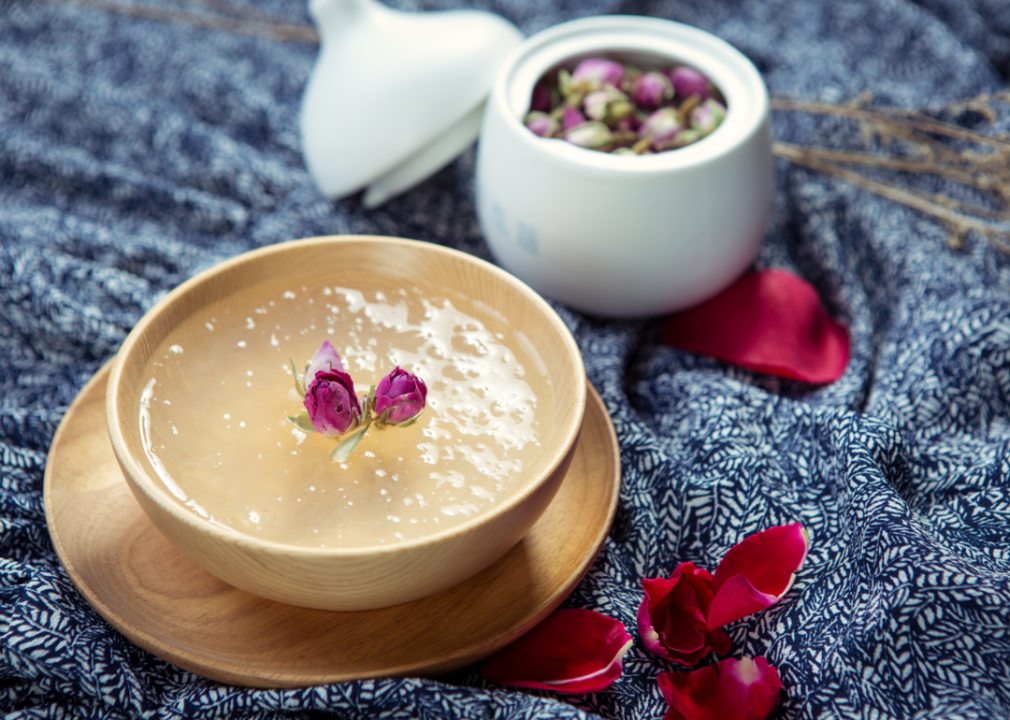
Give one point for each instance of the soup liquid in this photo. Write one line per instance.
(215, 428)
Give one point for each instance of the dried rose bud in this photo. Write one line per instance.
(688, 81)
(708, 116)
(566, 84)
(651, 89)
(541, 101)
(608, 105)
(571, 118)
(618, 111)
(632, 122)
(686, 137)
(661, 126)
(682, 138)
(399, 398)
(572, 92)
(325, 359)
(331, 403)
(595, 105)
(623, 151)
(591, 135)
(599, 73)
(541, 124)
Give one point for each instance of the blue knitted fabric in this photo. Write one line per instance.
(135, 152)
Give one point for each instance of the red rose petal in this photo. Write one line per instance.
(769, 321)
(739, 598)
(756, 573)
(741, 689)
(672, 617)
(570, 651)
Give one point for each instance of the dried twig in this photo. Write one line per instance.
(241, 21)
(921, 143)
(997, 189)
(959, 223)
(893, 117)
(917, 146)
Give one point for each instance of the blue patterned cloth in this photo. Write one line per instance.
(135, 152)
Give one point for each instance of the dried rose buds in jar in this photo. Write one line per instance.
(542, 124)
(591, 135)
(651, 89)
(619, 108)
(688, 81)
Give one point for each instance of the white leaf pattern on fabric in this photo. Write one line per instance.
(135, 153)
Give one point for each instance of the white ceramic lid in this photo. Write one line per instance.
(395, 96)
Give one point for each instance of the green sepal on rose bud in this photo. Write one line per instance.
(301, 421)
(346, 446)
(294, 373)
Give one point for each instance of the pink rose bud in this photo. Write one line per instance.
(683, 139)
(541, 124)
(331, 403)
(325, 359)
(688, 81)
(541, 101)
(608, 105)
(662, 125)
(591, 135)
(650, 90)
(399, 397)
(632, 122)
(595, 104)
(708, 116)
(571, 118)
(599, 73)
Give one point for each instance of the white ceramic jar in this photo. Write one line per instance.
(626, 236)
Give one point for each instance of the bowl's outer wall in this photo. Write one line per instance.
(375, 577)
(362, 582)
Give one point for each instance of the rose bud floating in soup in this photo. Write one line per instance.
(618, 108)
(333, 409)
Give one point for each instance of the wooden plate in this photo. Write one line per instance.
(162, 601)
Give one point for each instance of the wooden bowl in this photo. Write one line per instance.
(198, 395)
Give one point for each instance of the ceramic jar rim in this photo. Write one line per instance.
(626, 36)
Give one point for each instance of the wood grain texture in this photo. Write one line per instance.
(371, 575)
(162, 601)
